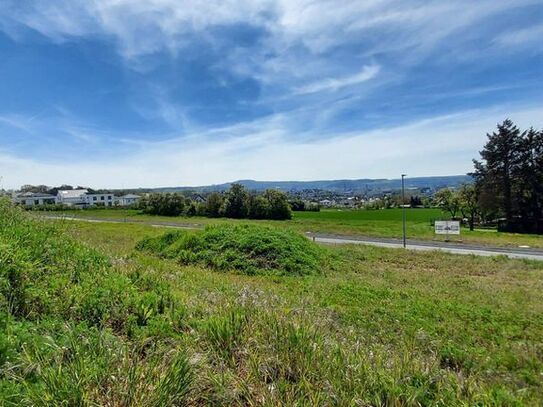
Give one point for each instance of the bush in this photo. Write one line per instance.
(297, 205)
(66, 314)
(44, 273)
(213, 205)
(248, 249)
(56, 207)
(279, 208)
(162, 204)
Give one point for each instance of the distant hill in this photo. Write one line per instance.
(345, 185)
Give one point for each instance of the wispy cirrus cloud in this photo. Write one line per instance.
(258, 88)
(332, 84)
(526, 37)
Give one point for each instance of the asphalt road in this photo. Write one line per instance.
(421, 245)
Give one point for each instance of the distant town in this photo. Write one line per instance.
(327, 194)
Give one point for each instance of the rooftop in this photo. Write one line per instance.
(34, 195)
(73, 193)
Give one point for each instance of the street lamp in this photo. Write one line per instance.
(403, 210)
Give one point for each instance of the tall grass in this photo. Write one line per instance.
(65, 314)
(381, 330)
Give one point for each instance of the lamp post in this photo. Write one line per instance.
(403, 211)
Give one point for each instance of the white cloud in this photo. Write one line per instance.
(264, 150)
(143, 27)
(529, 36)
(295, 54)
(332, 84)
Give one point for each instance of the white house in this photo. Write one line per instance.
(33, 198)
(99, 199)
(72, 197)
(82, 198)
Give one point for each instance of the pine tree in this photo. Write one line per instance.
(499, 165)
(530, 179)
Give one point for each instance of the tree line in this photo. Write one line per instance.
(508, 183)
(237, 203)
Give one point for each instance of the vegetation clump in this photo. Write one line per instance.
(69, 320)
(248, 249)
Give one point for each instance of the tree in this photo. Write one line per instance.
(258, 207)
(191, 209)
(297, 205)
(509, 178)
(499, 163)
(469, 203)
(448, 200)
(279, 207)
(162, 204)
(415, 201)
(213, 205)
(35, 188)
(529, 175)
(235, 204)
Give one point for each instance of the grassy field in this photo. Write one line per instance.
(373, 327)
(383, 223)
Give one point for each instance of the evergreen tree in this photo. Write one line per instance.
(499, 164)
(529, 175)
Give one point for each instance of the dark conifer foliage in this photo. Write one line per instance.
(510, 173)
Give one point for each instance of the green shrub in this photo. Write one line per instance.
(164, 204)
(66, 314)
(248, 249)
(44, 273)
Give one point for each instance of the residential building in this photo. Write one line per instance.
(99, 199)
(82, 198)
(33, 199)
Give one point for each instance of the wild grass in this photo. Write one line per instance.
(248, 249)
(382, 328)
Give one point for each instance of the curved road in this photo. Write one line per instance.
(421, 245)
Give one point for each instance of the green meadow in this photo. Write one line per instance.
(123, 315)
(377, 223)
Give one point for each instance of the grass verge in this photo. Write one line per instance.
(384, 327)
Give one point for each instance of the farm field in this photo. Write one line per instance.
(380, 223)
(371, 327)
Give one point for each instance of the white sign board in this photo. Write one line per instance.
(447, 227)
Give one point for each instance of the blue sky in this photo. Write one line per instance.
(127, 93)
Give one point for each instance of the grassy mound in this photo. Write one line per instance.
(248, 249)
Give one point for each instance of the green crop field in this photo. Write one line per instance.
(122, 314)
(380, 223)
(353, 216)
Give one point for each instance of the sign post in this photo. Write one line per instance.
(404, 234)
(447, 227)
